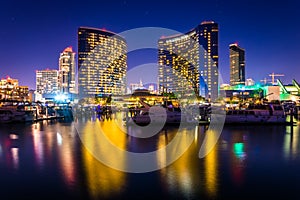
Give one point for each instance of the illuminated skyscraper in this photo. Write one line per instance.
(190, 60)
(101, 62)
(237, 64)
(47, 81)
(67, 71)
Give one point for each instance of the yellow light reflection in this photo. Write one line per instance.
(291, 142)
(102, 180)
(211, 165)
(181, 174)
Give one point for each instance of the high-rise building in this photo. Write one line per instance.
(190, 61)
(67, 72)
(47, 81)
(237, 64)
(101, 63)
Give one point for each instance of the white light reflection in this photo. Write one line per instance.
(59, 138)
(13, 136)
(38, 147)
(15, 157)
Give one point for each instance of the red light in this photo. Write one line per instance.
(68, 49)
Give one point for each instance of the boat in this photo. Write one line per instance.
(15, 114)
(262, 114)
(160, 114)
(6, 116)
(16, 111)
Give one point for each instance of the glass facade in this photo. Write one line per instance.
(237, 65)
(67, 71)
(190, 61)
(101, 63)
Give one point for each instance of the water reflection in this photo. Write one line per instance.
(180, 173)
(190, 176)
(211, 168)
(102, 181)
(38, 145)
(15, 157)
(51, 155)
(9, 149)
(291, 142)
(56, 142)
(67, 157)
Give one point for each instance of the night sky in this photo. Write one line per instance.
(33, 33)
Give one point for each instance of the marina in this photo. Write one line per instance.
(24, 112)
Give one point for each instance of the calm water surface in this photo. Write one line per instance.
(47, 160)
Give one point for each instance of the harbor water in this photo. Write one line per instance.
(51, 160)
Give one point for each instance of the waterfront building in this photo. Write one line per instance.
(237, 64)
(289, 91)
(47, 81)
(67, 72)
(280, 92)
(10, 89)
(190, 60)
(101, 63)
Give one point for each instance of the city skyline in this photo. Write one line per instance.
(36, 33)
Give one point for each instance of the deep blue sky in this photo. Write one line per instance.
(33, 33)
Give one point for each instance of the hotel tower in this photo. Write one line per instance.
(101, 63)
(190, 60)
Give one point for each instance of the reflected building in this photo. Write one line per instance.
(67, 71)
(101, 63)
(190, 61)
(237, 64)
(98, 139)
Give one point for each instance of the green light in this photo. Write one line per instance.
(238, 149)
